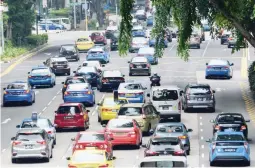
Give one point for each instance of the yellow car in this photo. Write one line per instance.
(90, 158)
(108, 109)
(84, 44)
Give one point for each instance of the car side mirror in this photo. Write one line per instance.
(144, 146)
(129, 62)
(151, 131)
(44, 63)
(190, 130)
(63, 82)
(74, 71)
(148, 95)
(113, 158)
(158, 113)
(214, 91)
(4, 88)
(68, 158)
(209, 140)
(55, 112)
(72, 139)
(13, 138)
(232, 64)
(87, 111)
(123, 75)
(17, 126)
(28, 73)
(206, 64)
(212, 121)
(247, 120)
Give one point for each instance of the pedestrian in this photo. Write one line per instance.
(97, 25)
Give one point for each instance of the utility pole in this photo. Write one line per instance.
(116, 6)
(74, 16)
(2, 30)
(86, 15)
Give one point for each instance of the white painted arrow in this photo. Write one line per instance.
(219, 89)
(47, 53)
(6, 121)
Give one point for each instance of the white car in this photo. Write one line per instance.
(137, 28)
(133, 92)
(96, 64)
(148, 33)
(134, 21)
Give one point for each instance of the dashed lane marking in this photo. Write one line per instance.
(44, 109)
(6, 121)
(202, 138)
(202, 146)
(202, 155)
(3, 150)
(95, 110)
(206, 48)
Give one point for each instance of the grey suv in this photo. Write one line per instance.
(139, 65)
(199, 96)
(31, 143)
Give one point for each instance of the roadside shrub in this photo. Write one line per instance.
(36, 40)
(251, 76)
(92, 24)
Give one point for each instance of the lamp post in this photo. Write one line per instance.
(116, 8)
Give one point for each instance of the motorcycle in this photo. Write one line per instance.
(155, 81)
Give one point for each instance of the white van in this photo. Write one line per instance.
(164, 161)
(167, 101)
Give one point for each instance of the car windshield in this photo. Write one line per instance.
(230, 137)
(29, 137)
(169, 128)
(133, 87)
(130, 111)
(40, 72)
(82, 40)
(68, 110)
(91, 137)
(199, 90)
(87, 157)
(225, 119)
(68, 48)
(165, 95)
(111, 102)
(17, 86)
(119, 123)
(75, 80)
(165, 164)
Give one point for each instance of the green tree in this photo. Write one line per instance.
(238, 15)
(21, 17)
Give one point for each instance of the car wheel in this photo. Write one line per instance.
(98, 119)
(102, 122)
(4, 104)
(47, 159)
(14, 160)
(149, 74)
(51, 85)
(212, 110)
(248, 163)
(55, 141)
(34, 99)
(178, 119)
(198, 47)
(206, 77)
(186, 110)
(69, 73)
(101, 89)
(229, 46)
(51, 155)
(212, 163)
(130, 74)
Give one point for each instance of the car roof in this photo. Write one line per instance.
(122, 85)
(18, 82)
(97, 49)
(58, 59)
(170, 123)
(74, 77)
(40, 67)
(164, 158)
(168, 87)
(198, 84)
(139, 59)
(69, 104)
(30, 130)
(133, 105)
(112, 73)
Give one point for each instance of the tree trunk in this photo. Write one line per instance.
(99, 12)
(9, 31)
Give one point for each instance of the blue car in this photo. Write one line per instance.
(138, 33)
(41, 76)
(90, 73)
(152, 43)
(80, 93)
(99, 53)
(149, 53)
(18, 91)
(218, 68)
(149, 21)
(51, 26)
(229, 146)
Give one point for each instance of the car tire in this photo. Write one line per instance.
(221, 43)
(206, 77)
(58, 129)
(101, 89)
(51, 155)
(14, 160)
(149, 74)
(130, 74)
(178, 119)
(212, 110)
(212, 163)
(198, 47)
(188, 152)
(98, 119)
(186, 110)
(4, 104)
(229, 46)
(248, 163)
(34, 99)
(102, 122)
(69, 73)
(51, 85)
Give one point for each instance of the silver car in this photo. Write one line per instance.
(42, 123)
(31, 143)
(139, 65)
(137, 43)
(194, 41)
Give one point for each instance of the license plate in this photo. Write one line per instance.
(68, 117)
(68, 57)
(139, 66)
(75, 94)
(119, 133)
(29, 147)
(129, 94)
(217, 68)
(60, 66)
(229, 150)
(200, 106)
(165, 108)
(200, 99)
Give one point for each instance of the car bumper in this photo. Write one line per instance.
(169, 113)
(69, 124)
(61, 71)
(217, 73)
(80, 99)
(194, 44)
(124, 141)
(108, 116)
(102, 61)
(200, 104)
(140, 71)
(39, 82)
(231, 158)
(135, 99)
(31, 153)
(27, 98)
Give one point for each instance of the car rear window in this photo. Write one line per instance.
(133, 86)
(169, 128)
(165, 95)
(40, 72)
(17, 86)
(68, 48)
(60, 63)
(92, 64)
(162, 164)
(139, 59)
(229, 137)
(82, 40)
(230, 119)
(120, 124)
(68, 110)
(29, 137)
(91, 137)
(88, 157)
(199, 90)
(112, 74)
(41, 123)
(224, 144)
(218, 62)
(75, 80)
(130, 111)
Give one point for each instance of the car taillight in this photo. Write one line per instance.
(30, 76)
(5, 92)
(104, 80)
(246, 146)
(102, 166)
(131, 133)
(121, 94)
(179, 152)
(217, 128)
(131, 65)
(243, 127)
(81, 113)
(208, 67)
(88, 92)
(151, 153)
(106, 109)
(41, 142)
(71, 166)
(213, 147)
(140, 93)
(67, 93)
(49, 132)
(47, 76)
(103, 146)
(148, 65)
(78, 146)
(182, 137)
(108, 133)
(16, 143)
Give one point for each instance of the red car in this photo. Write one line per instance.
(93, 139)
(124, 132)
(98, 38)
(71, 115)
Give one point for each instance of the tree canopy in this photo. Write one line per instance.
(237, 15)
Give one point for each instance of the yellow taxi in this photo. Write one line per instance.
(90, 158)
(108, 108)
(84, 44)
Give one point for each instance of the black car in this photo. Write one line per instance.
(139, 65)
(71, 80)
(58, 65)
(164, 146)
(114, 41)
(224, 39)
(110, 80)
(69, 51)
(90, 73)
(230, 121)
(198, 96)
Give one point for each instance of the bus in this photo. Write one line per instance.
(63, 21)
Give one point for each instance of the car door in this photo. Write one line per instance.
(52, 127)
(137, 129)
(155, 117)
(186, 131)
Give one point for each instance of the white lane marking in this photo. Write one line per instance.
(54, 97)
(206, 48)
(202, 146)
(6, 121)
(58, 92)
(63, 157)
(200, 118)
(36, 92)
(44, 108)
(137, 156)
(94, 111)
(3, 150)
(202, 138)
(49, 103)
(203, 165)
(172, 47)
(201, 123)
(248, 54)
(202, 155)
(201, 130)
(39, 113)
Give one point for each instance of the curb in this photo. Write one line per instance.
(22, 58)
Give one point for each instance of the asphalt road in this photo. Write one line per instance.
(173, 71)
